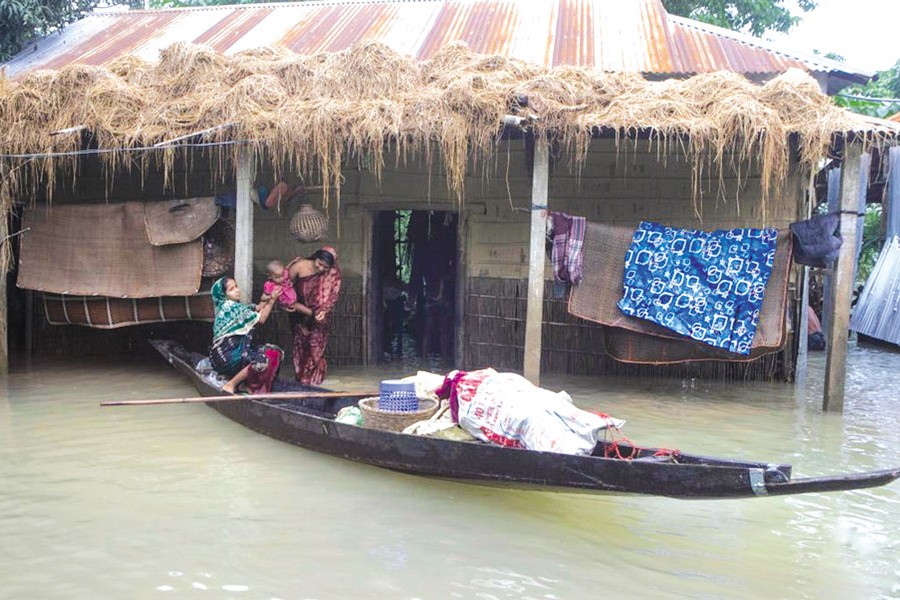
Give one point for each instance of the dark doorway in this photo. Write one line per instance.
(414, 284)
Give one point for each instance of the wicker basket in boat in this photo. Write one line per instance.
(308, 224)
(391, 420)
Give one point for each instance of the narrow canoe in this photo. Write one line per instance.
(310, 423)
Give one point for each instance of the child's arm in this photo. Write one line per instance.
(265, 306)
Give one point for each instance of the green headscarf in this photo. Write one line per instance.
(232, 318)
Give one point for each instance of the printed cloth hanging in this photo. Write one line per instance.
(705, 285)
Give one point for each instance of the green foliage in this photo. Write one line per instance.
(189, 3)
(887, 86)
(871, 244)
(23, 20)
(752, 16)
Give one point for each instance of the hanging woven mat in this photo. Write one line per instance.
(390, 420)
(179, 221)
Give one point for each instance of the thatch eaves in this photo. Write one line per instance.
(314, 110)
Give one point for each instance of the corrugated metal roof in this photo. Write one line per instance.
(609, 35)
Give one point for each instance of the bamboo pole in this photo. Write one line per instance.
(231, 397)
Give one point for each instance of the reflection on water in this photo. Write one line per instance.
(177, 501)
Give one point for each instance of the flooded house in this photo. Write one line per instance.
(428, 142)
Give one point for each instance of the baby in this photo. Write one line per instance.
(279, 278)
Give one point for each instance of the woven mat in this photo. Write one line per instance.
(640, 348)
(103, 312)
(179, 221)
(103, 250)
(595, 299)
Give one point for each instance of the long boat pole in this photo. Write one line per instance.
(231, 397)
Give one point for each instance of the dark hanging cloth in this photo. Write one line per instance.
(817, 241)
(567, 234)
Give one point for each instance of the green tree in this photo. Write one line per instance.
(882, 90)
(23, 20)
(752, 16)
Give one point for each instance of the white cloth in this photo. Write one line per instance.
(509, 410)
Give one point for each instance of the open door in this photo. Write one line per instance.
(414, 277)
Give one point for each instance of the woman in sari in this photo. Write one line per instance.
(233, 352)
(317, 280)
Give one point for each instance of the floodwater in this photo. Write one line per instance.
(176, 501)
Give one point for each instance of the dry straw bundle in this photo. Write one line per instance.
(316, 111)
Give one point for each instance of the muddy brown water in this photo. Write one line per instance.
(176, 501)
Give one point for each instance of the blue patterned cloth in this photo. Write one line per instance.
(706, 285)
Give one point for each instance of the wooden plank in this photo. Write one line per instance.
(243, 227)
(4, 306)
(842, 286)
(4, 328)
(536, 263)
(371, 277)
(462, 275)
(29, 323)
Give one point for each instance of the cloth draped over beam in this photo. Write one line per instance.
(103, 312)
(634, 340)
(103, 250)
(707, 285)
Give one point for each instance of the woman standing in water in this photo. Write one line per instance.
(233, 352)
(317, 280)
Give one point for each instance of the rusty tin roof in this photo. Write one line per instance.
(608, 35)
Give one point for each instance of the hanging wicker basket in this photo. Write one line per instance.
(308, 224)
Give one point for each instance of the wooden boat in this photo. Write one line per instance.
(310, 423)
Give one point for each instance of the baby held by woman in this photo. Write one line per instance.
(279, 278)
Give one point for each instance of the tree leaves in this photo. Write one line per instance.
(751, 16)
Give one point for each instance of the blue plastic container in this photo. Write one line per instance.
(397, 396)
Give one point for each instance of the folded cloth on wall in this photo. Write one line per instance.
(705, 285)
(179, 221)
(103, 312)
(103, 250)
(596, 297)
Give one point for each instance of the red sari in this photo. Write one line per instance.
(320, 293)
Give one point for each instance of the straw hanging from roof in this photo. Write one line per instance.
(317, 110)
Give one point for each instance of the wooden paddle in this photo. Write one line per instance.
(272, 396)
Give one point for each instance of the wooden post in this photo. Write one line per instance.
(535, 308)
(4, 306)
(460, 352)
(243, 228)
(842, 286)
(29, 323)
(4, 324)
(802, 330)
